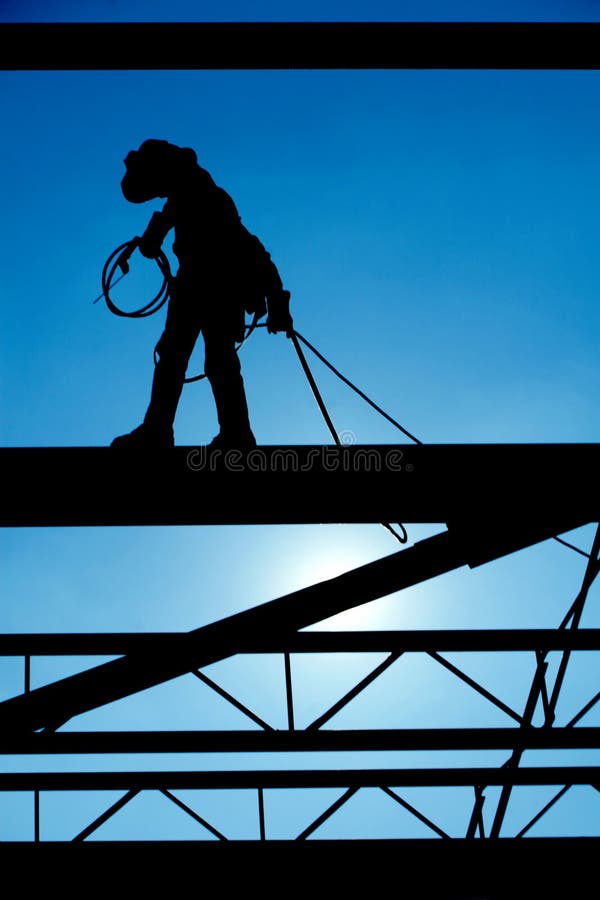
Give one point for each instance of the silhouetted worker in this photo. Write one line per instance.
(224, 271)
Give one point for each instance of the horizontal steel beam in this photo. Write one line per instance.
(300, 45)
(469, 641)
(302, 741)
(458, 868)
(298, 778)
(443, 483)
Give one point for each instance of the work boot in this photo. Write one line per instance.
(240, 440)
(145, 437)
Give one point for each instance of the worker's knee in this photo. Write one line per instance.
(173, 351)
(221, 359)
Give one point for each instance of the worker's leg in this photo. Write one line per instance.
(173, 352)
(223, 370)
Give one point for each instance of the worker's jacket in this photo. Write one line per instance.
(220, 261)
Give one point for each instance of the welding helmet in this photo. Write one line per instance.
(153, 168)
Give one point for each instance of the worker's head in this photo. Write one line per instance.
(152, 170)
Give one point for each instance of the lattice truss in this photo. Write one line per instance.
(442, 792)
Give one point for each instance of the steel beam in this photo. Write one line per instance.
(443, 483)
(296, 778)
(479, 640)
(301, 740)
(299, 45)
(457, 868)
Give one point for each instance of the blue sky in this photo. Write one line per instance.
(438, 232)
(299, 10)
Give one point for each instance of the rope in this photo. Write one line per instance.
(314, 388)
(294, 336)
(354, 388)
(119, 259)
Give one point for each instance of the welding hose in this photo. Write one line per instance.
(119, 259)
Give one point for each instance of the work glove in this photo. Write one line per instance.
(151, 241)
(278, 313)
(148, 249)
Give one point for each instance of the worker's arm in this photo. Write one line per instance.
(158, 227)
(277, 297)
(278, 312)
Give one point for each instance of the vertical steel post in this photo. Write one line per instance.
(261, 814)
(288, 691)
(476, 822)
(27, 673)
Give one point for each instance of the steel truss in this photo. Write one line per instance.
(26, 733)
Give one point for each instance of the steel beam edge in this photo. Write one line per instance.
(303, 740)
(455, 869)
(298, 45)
(457, 640)
(459, 484)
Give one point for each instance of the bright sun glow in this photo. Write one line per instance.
(341, 550)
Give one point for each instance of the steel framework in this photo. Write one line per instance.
(369, 484)
(30, 720)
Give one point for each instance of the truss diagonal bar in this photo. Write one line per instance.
(513, 762)
(231, 699)
(584, 710)
(476, 686)
(108, 814)
(354, 692)
(591, 571)
(572, 547)
(52, 705)
(328, 813)
(544, 810)
(317, 740)
(415, 812)
(299, 778)
(193, 814)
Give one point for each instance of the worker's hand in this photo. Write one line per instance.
(278, 313)
(123, 260)
(148, 248)
(151, 241)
